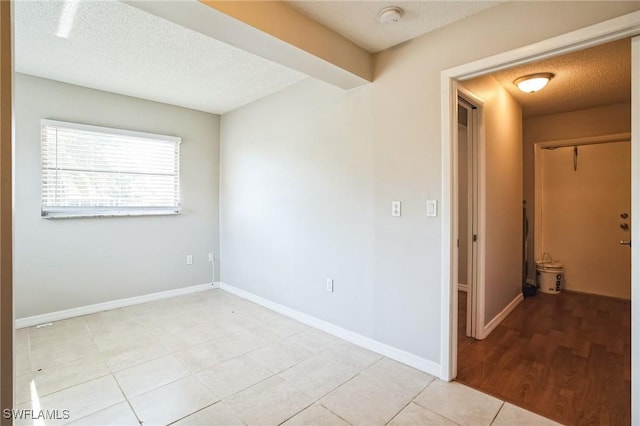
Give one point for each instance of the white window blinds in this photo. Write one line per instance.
(97, 171)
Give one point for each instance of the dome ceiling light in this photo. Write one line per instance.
(533, 82)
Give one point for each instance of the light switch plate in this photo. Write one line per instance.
(432, 208)
(396, 208)
(330, 285)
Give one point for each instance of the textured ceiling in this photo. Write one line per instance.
(121, 49)
(589, 78)
(358, 20)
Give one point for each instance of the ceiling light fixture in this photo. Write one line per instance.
(390, 14)
(68, 15)
(533, 82)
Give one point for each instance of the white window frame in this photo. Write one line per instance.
(54, 212)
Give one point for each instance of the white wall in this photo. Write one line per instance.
(65, 263)
(297, 197)
(502, 146)
(308, 176)
(604, 120)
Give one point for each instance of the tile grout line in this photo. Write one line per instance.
(410, 401)
(317, 400)
(333, 412)
(195, 412)
(296, 413)
(497, 413)
(235, 393)
(112, 373)
(170, 353)
(427, 408)
(99, 354)
(288, 383)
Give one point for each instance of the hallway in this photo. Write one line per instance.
(566, 357)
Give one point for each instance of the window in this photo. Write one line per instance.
(97, 171)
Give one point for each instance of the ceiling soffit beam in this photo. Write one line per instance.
(275, 32)
(287, 24)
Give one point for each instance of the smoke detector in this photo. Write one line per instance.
(390, 14)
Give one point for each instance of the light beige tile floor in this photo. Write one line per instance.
(212, 358)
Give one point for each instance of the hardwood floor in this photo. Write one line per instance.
(566, 357)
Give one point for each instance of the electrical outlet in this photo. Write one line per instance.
(211, 258)
(189, 259)
(396, 208)
(330, 285)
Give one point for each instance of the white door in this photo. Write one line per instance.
(586, 212)
(467, 206)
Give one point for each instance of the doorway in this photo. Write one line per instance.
(587, 37)
(583, 203)
(546, 355)
(525, 359)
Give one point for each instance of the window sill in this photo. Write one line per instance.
(84, 214)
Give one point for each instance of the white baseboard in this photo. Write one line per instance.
(399, 355)
(463, 287)
(491, 325)
(107, 306)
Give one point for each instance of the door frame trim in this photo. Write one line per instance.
(475, 291)
(614, 29)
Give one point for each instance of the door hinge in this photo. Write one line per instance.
(475, 238)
